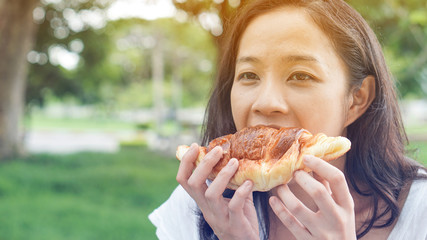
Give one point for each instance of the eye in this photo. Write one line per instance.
(301, 77)
(248, 76)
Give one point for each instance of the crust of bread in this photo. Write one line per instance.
(267, 174)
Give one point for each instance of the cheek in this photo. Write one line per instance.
(234, 103)
(327, 115)
(239, 107)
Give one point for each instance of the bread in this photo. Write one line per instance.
(268, 156)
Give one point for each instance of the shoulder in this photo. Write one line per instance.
(177, 217)
(412, 221)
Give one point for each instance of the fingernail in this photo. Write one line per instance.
(247, 185)
(307, 159)
(275, 203)
(231, 162)
(218, 149)
(194, 145)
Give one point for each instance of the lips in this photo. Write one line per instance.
(269, 125)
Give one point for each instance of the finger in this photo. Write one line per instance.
(186, 165)
(334, 176)
(185, 171)
(217, 187)
(197, 180)
(289, 220)
(237, 202)
(316, 190)
(249, 209)
(295, 206)
(323, 181)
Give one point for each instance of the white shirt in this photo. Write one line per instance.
(412, 222)
(176, 219)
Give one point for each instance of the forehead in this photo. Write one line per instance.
(283, 31)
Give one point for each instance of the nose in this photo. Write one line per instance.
(270, 100)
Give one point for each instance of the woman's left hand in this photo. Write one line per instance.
(335, 216)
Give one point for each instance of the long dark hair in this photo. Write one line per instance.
(376, 166)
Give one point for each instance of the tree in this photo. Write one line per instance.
(17, 33)
(96, 70)
(63, 30)
(203, 10)
(401, 27)
(169, 65)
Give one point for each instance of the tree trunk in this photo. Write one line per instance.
(17, 36)
(157, 62)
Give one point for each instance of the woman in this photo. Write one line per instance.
(316, 65)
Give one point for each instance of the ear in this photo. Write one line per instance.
(361, 99)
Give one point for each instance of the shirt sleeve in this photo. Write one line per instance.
(412, 222)
(176, 218)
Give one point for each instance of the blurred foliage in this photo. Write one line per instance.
(57, 32)
(401, 27)
(114, 66)
(188, 54)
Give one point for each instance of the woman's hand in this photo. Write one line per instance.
(328, 188)
(233, 218)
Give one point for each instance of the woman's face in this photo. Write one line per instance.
(289, 75)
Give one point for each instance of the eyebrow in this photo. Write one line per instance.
(300, 58)
(290, 58)
(247, 59)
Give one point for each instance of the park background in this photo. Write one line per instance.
(95, 96)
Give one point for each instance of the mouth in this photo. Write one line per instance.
(269, 125)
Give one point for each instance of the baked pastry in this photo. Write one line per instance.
(268, 156)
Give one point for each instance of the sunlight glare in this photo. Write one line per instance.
(147, 9)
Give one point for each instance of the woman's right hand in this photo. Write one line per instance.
(233, 218)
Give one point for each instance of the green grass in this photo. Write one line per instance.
(84, 196)
(416, 129)
(418, 151)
